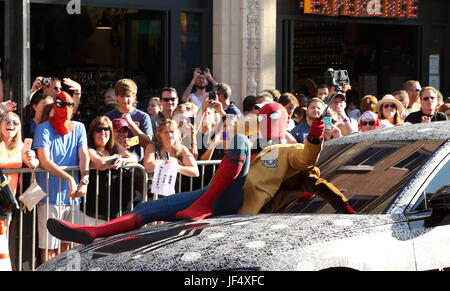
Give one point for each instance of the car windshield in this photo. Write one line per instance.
(368, 174)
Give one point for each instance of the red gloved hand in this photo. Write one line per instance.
(317, 128)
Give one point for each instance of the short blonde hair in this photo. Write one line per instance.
(428, 88)
(125, 87)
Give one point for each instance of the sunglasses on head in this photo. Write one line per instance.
(365, 123)
(102, 129)
(8, 120)
(392, 105)
(428, 98)
(62, 104)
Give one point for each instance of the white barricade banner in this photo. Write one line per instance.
(164, 178)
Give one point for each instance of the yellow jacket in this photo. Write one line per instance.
(271, 167)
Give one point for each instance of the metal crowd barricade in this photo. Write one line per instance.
(202, 165)
(146, 186)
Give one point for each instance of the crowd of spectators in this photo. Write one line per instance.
(179, 129)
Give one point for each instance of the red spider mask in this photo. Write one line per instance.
(273, 121)
(63, 106)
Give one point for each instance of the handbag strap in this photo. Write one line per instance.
(33, 175)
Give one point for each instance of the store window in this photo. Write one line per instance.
(378, 57)
(146, 52)
(191, 49)
(73, 46)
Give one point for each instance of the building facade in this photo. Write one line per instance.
(250, 44)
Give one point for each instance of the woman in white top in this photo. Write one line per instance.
(168, 143)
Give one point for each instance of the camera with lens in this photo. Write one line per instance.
(46, 81)
(337, 78)
(212, 95)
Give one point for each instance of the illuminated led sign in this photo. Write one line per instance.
(363, 8)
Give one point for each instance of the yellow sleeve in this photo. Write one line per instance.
(304, 157)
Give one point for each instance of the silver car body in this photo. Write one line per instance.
(399, 237)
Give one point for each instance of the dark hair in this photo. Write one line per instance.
(249, 103)
(104, 121)
(46, 112)
(224, 89)
(169, 89)
(322, 86)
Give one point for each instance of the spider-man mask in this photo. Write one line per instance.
(63, 106)
(273, 121)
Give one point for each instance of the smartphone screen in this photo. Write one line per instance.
(328, 123)
(27, 143)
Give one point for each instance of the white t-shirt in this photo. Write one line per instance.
(194, 99)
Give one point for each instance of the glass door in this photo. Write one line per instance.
(147, 51)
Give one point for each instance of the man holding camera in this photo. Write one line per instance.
(201, 80)
(52, 86)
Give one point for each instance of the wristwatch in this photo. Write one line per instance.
(84, 181)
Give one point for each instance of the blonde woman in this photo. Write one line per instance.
(168, 143)
(11, 148)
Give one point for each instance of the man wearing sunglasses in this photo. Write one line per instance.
(412, 87)
(60, 142)
(169, 102)
(428, 113)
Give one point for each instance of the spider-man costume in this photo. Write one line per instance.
(225, 195)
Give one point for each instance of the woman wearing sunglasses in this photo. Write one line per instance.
(368, 121)
(104, 153)
(389, 111)
(12, 152)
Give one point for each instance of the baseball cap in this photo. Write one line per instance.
(118, 123)
(341, 94)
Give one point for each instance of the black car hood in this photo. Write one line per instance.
(260, 242)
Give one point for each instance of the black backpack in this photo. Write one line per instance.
(8, 202)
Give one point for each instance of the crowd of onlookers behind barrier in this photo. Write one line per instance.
(179, 129)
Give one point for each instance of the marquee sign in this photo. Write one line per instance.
(363, 8)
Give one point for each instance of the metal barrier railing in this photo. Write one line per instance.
(146, 185)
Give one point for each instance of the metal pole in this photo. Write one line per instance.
(17, 53)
